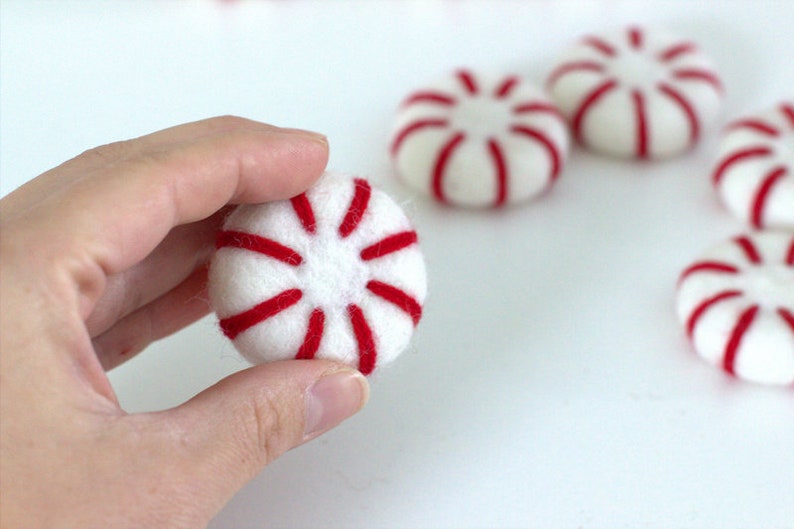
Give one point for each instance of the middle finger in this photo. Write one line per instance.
(185, 249)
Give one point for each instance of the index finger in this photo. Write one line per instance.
(76, 168)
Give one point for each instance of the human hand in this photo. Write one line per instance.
(101, 256)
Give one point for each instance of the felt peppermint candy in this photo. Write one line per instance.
(737, 306)
(754, 173)
(333, 273)
(479, 141)
(636, 93)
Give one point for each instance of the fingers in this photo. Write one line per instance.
(179, 307)
(228, 433)
(119, 211)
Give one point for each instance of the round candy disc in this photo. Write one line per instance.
(636, 93)
(334, 273)
(754, 173)
(737, 305)
(479, 141)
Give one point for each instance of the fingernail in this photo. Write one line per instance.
(332, 399)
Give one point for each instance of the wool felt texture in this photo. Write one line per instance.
(754, 172)
(478, 140)
(333, 273)
(737, 305)
(636, 93)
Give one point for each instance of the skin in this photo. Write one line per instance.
(98, 258)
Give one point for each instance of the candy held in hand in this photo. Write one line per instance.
(754, 173)
(479, 141)
(333, 273)
(636, 93)
(737, 305)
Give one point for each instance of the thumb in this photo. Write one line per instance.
(229, 432)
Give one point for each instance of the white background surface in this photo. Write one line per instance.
(549, 384)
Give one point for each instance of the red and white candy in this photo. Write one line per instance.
(754, 173)
(479, 141)
(737, 305)
(636, 93)
(334, 273)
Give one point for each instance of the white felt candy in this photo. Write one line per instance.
(754, 173)
(334, 273)
(479, 141)
(636, 93)
(737, 305)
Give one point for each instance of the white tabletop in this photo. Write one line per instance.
(549, 384)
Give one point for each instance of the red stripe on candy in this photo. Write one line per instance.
(391, 244)
(788, 112)
(589, 100)
(686, 107)
(540, 137)
(256, 243)
(642, 124)
(234, 325)
(414, 127)
(787, 316)
(736, 157)
(398, 298)
(577, 66)
(357, 208)
(675, 51)
(790, 256)
(531, 108)
(500, 164)
(430, 97)
(635, 38)
(441, 164)
(749, 249)
(755, 125)
(696, 74)
(701, 309)
(314, 335)
(764, 191)
(367, 353)
(735, 341)
(467, 80)
(303, 208)
(507, 86)
(709, 266)
(600, 45)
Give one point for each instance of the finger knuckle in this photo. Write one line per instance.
(230, 121)
(271, 427)
(108, 153)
